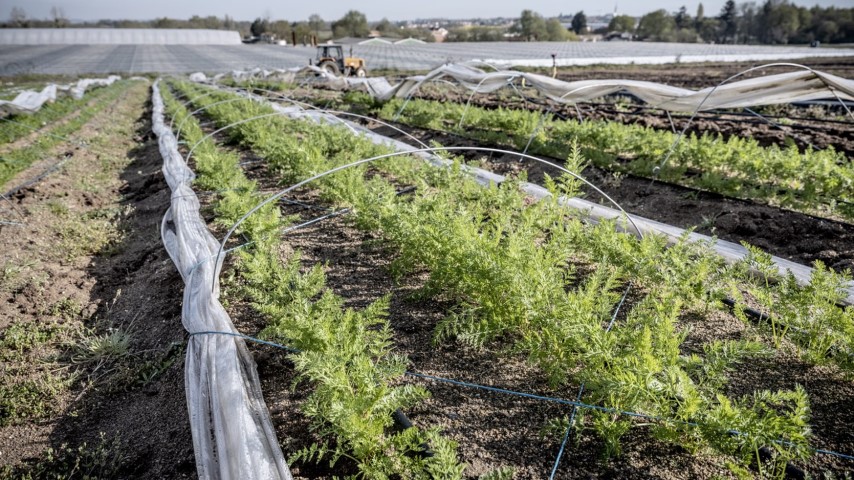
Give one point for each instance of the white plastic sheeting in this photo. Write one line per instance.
(117, 36)
(233, 437)
(30, 101)
(788, 87)
(799, 86)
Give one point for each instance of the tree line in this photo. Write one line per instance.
(352, 24)
(771, 22)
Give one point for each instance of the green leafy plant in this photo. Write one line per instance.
(530, 275)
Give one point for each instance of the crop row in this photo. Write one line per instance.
(815, 181)
(344, 355)
(26, 123)
(516, 272)
(805, 313)
(83, 110)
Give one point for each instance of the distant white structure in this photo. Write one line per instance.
(377, 41)
(117, 36)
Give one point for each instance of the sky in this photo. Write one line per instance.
(334, 9)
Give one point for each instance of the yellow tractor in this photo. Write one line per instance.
(331, 59)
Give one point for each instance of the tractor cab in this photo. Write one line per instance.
(331, 59)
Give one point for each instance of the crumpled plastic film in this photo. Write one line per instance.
(30, 101)
(799, 86)
(789, 87)
(233, 437)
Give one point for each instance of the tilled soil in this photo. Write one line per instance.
(125, 417)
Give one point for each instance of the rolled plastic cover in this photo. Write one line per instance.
(233, 436)
(798, 86)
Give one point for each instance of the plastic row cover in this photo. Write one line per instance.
(789, 87)
(285, 74)
(30, 101)
(233, 437)
(117, 36)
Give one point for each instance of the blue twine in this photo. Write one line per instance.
(566, 435)
(581, 389)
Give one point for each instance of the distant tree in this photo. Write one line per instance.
(384, 26)
(210, 22)
(57, 14)
(826, 30)
(259, 26)
(228, 23)
(164, 22)
(281, 29)
(682, 19)
(728, 22)
(698, 19)
(532, 26)
(316, 23)
(352, 24)
(419, 33)
(303, 32)
(657, 26)
(622, 23)
(749, 29)
(556, 32)
(579, 22)
(782, 22)
(18, 17)
(708, 30)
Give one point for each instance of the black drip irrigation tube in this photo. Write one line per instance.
(401, 423)
(791, 472)
(38, 178)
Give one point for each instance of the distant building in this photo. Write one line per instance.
(439, 34)
(620, 37)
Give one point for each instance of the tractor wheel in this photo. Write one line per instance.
(330, 67)
(361, 72)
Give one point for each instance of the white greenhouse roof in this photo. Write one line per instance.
(116, 36)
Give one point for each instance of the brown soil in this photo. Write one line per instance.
(113, 188)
